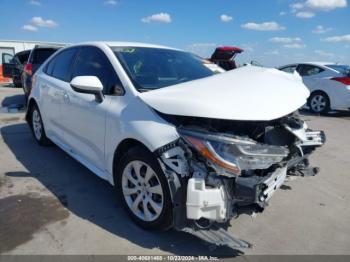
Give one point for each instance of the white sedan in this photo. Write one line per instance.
(329, 85)
(184, 147)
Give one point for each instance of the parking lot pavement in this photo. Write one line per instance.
(50, 204)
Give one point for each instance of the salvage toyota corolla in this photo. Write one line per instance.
(185, 148)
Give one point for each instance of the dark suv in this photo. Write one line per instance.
(37, 57)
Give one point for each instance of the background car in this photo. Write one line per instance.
(15, 66)
(225, 57)
(38, 55)
(329, 84)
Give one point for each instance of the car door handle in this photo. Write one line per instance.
(66, 98)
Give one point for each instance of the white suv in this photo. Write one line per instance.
(185, 148)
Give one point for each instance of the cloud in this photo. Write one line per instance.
(29, 28)
(305, 14)
(323, 53)
(226, 18)
(289, 42)
(296, 6)
(110, 2)
(35, 2)
(272, 52)
(267, 26)
(307, 8)
(285, 40)
(40, 22)
(295, 46)
(282, 13)
(161, 17)
(321, 30)
(335, 39)
(325, 5)
(202, 49)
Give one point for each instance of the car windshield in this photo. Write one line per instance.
(343, 69)
(154, 68)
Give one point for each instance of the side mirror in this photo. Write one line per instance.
(88, 85)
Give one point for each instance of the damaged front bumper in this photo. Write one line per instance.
(207, 192)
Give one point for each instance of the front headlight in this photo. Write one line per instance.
(234, 153)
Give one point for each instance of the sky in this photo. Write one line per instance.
(272, 32)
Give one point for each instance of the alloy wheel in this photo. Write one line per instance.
(318, 103)
(142, 190)
(37, 124)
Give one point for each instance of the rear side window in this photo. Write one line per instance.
(309, 70)
(23, 58)
(289, 69)
(59, 67)
(343, 69)
(41, 54)
(91, 61)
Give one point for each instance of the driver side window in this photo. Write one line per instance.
(91, 61)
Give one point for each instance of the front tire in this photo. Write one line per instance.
(37, 127)
(319, 103)
(143, 189)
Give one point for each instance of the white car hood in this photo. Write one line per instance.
(247, 93)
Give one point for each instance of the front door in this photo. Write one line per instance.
(6, 55)
(83, 117)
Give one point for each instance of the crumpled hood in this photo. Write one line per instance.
(247, 93)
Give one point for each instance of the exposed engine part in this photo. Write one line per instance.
(175, 159)
(219, 169)
(202, 202)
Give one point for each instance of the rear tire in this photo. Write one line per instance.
(319, 102)
(37, 127)
(143, 189)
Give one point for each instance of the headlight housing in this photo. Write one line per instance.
(232, 153)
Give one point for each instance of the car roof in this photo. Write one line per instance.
(49, 46)
(323, 64)
(123, 44)
(319, 63)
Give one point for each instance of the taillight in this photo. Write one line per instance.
(28, 68)
(343, 80)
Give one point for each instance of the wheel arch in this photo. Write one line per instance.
(30, 105)
(320, 91)
(122, 148)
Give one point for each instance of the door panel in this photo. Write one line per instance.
(84, 122)
(84, 118)
(53, 85)
(52, 90)
(8, 69)
(7, 65)
(4, 60)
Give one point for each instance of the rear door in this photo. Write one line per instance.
(53, 82)
(312, 75)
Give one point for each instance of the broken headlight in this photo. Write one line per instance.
(234, 153)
